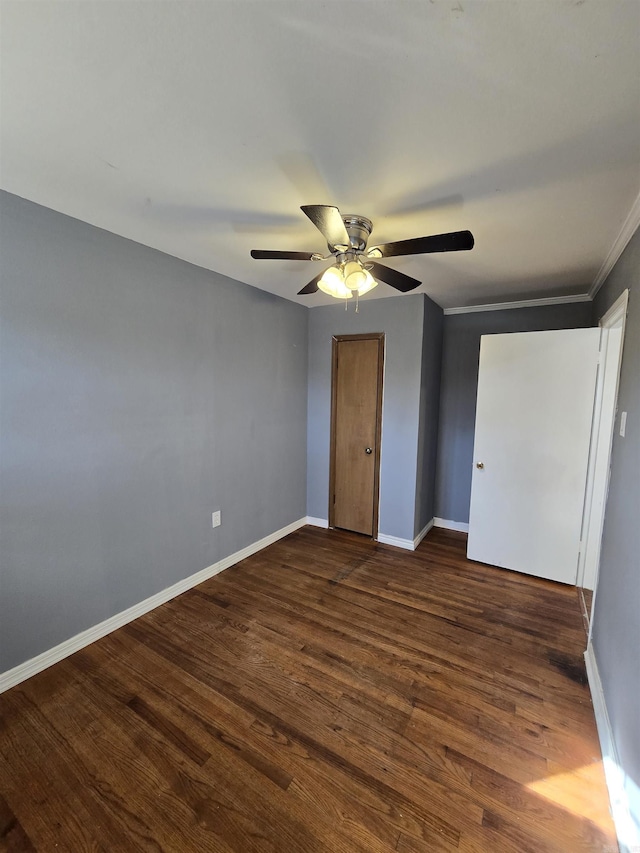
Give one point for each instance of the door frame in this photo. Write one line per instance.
(602, 432)
(335, 340)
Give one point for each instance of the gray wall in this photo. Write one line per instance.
(616, 618)
(459, 385)
(139, 394)
(400, 318)
(429, 408)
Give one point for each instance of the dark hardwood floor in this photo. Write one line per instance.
(326, 694)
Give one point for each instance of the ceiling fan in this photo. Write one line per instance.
(355, 267)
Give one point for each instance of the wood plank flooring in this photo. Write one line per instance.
(326, 694)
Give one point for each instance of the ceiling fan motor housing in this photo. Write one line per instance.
(358, 228)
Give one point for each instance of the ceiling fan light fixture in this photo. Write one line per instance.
(355, 277)
(333, 284)
(347, 236)
(368, 285)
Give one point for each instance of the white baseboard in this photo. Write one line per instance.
(423, 533)
(460, 526)
(407, 544)
(627, 829)
(31, 667)
(317, 522)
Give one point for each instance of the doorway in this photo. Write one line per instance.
(356, 426)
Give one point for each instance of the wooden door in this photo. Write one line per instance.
(355, 432)
(533, 426)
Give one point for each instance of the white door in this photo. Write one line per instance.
(533, 426)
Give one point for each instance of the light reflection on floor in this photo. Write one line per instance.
(579, 791)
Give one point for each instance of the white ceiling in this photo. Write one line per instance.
(199, 128)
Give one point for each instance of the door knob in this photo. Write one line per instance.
(479, 464)
(368, 451)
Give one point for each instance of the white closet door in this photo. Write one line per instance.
(533, 426)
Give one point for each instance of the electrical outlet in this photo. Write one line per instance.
(215, 519)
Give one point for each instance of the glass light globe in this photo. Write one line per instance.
(368, 285)
(354, 276)
(332, 284)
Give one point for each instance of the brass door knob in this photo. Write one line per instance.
(479, 464)
(368, 451)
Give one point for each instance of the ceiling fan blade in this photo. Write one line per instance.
(395, 278)
(328, 221)
(312, 287)
(265, 254)
(456, 241)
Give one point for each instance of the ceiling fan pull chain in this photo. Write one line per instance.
(357, 300)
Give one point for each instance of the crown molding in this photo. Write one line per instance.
(629, 228)
(523, 303)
